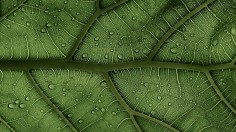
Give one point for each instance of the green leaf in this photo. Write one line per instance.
(118, 65)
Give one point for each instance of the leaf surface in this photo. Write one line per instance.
(118, 65)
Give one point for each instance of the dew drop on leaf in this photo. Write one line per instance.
(103, 84)
(159, 97)
(14, 14)
(113, 113)
(69, 115)
(43, 30)
(48, 25)
(27, 98)
(22, 105)
(80, 121)
(119, 56)
(51, 86)
(17, 101)
(28, 23)
(111, 33)
(96, 38)
(11, 106)
(93, 112)
(136, 50)
(169, 104)
(173, 50)
(102, 109)
(134, 18)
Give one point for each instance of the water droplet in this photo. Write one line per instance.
(11, 106)
(233, 31)
(41, 111)
(48, 25)
(8, 26)
(111, 33)
(106, 56)
(63, 45)
(80, 121)
(145, 84)
(159, 97)
(110, 125)
(96, 38)
(103, 84)
(113, 113)
(17, 101)
(136, 98)
(169, 104)
(28, 23)
(93, 112)
(76, 99)
(22, 105)
(69, 115)
(51, 86)
(43, 30)
(215, 42)
(102, 109)
(65, 2)
(119, 56)
(14, 14)
(134, 18)
(136, 50)
(150, 105)
(27, 98)
(173, 50)
(84, 55)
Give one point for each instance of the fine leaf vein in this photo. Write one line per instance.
(48, 101)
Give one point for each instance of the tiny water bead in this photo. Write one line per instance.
(173, 50)
(48, 25)
(159, 97)
(113, 113)
(43, 30)
(111, 33)
(28, 23)
(96, 38)
(120, 56)
(80, 121)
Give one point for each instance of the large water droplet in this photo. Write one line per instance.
(22, 105)
(27, 98)
(11, 106)
(17, 101)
